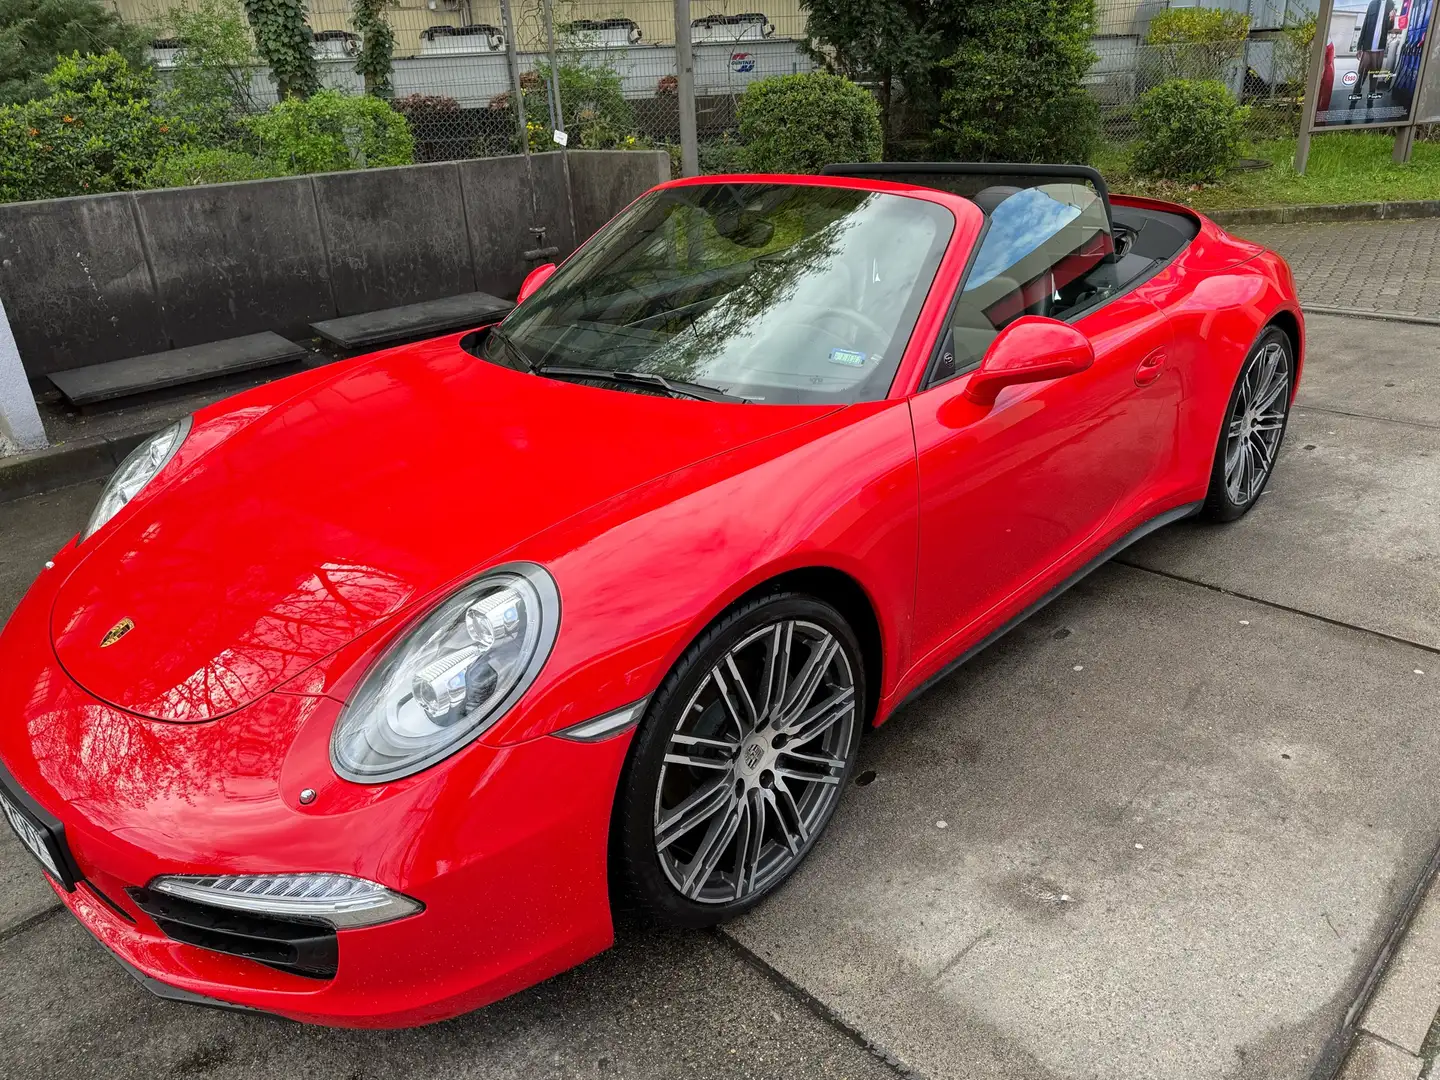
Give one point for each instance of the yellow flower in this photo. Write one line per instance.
(67, 119)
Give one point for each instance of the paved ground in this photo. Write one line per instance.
(1183, 807)
(1388, 266)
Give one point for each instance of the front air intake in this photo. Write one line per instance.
(301, 947)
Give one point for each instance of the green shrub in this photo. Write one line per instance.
(210, 87)
(596, 114)
(329, 131)
(1197, 42)
(724, 155)
(189, 167)
(1013, 89)
(800, 123)
(95, 132)
(1189, 130)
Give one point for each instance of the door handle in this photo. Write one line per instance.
(1150, 368)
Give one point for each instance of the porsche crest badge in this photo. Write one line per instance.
(116, 632)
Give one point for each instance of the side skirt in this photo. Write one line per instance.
(1169, 517)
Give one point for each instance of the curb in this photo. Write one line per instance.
(1292, 215)
(66, 464)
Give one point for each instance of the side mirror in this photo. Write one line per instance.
(533, 281)
(1030, 349)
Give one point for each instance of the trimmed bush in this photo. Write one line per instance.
(801, 123)
(328, 132)
(95, 132)
(1012, 88)
(1190, 129)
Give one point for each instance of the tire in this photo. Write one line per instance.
(702, 773)
(1253, 428)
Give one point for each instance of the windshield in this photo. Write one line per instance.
(775, 293)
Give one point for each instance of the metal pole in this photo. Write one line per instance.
(557, 115)
(512, 61)
(685, 91)
(1312, 85)
(19, 419)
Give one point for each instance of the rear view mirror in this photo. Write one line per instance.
(533, 281)
(744, 227)
(1030, 349)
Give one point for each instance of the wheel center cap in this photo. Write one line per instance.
(752, 755)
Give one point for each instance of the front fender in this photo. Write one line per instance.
(642, 576)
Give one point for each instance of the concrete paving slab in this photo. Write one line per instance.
(1407, 999)
(1349, 528)
(1371, 368)
(32, 530)
(658, 1005)
(1177, 826)
(1371, 1059)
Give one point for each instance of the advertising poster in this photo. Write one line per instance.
(1372, 62)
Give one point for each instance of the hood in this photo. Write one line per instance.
(334, 510)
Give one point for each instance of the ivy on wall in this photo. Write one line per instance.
(377, 44)
(284, 42)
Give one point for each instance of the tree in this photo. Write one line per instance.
(895, 43)
(284, 41)
(35, 33)
(377, 44)
(210, 86)
(1014, 88)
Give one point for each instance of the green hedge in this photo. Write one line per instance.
(800, 123)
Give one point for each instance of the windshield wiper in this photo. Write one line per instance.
(695, 391)
(499, 335)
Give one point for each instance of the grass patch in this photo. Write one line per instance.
(1344, 167)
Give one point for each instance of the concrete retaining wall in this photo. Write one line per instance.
(102, 277)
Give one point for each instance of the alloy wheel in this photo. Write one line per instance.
(1257, 423)
(754, 766)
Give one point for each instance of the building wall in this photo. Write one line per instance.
(655, 18)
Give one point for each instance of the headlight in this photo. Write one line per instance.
(450, 678)
(337, 899)
(135, 472)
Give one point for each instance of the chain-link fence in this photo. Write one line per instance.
(605, 73)
(1263, 58)
(605, 70)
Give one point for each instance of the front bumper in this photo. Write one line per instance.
(505, 846)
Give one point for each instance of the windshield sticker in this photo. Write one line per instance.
(847, 356)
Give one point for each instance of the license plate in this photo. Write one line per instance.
(46, 841)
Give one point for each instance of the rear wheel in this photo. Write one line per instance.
(740, 761)
(1254, 428)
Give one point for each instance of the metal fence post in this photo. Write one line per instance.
(512, 61)
(685, 90)
(557, 115)
(19, 419)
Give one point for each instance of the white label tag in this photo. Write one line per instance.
(563, 138)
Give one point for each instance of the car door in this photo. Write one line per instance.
(1016, 491)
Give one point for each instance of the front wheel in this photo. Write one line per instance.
(1254, 426)
(740, 761)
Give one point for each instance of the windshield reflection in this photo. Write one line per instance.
(770, 292)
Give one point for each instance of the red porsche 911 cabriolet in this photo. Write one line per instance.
(365, 694)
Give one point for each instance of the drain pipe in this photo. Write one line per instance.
(19, 419)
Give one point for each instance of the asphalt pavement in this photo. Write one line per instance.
(1168, 827)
